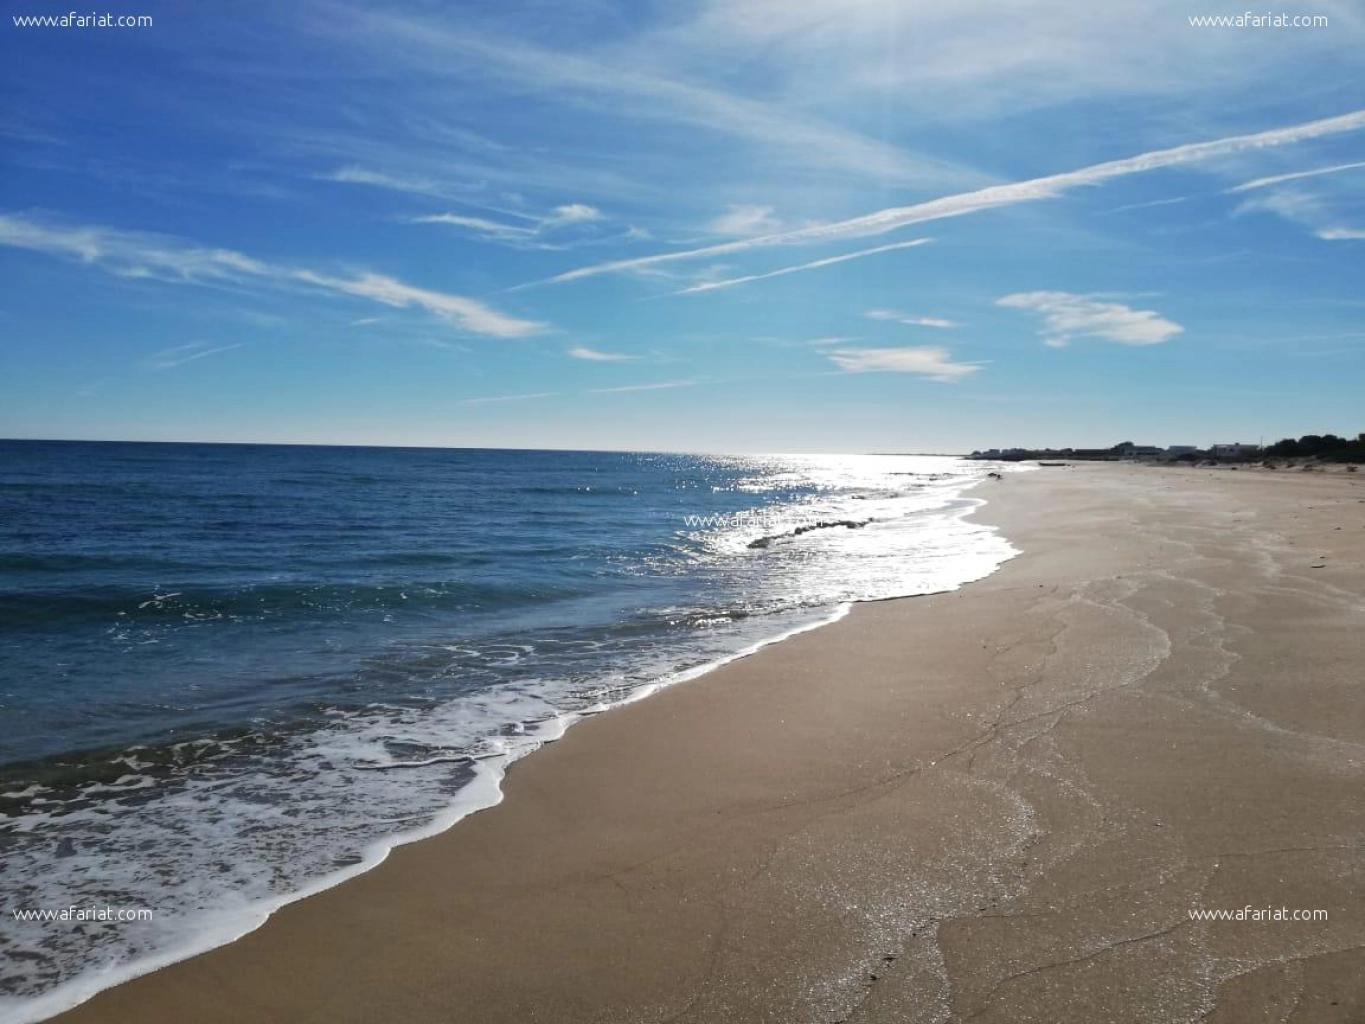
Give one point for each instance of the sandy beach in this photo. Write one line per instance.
(1000, 804)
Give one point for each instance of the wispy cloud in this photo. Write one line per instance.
(1067, 316)
(419, 184)
(1278, 179)
(964, 203)
(895, 316)
(481, 226)
(662, 386)
(710, 286)
(743, 221)
(574, 213)
(137, 255)
(179, 355)
(508, 398)
(1315, 209)
(931, 361)
(528, 233)
(624, 89)
(592, 355)
(470, 314)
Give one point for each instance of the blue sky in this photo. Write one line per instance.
(744, 225)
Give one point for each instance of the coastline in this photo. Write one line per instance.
(789, 850)
(224, 920)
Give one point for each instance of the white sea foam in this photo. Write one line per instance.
(217, 854)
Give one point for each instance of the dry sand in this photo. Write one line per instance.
(995, 805)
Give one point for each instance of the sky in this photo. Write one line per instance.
(726, 225)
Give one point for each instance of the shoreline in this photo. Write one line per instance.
(485, 791)
(841, 747)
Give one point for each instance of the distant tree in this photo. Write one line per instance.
(1286, 447)
(1322, 446)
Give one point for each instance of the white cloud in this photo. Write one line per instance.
(574, 213)
(518, 235)
(1277, 179)
(169, 358)
(710, 286)
(467, 313)
(744, 221)
(929, 361)
(133, 254)
(960, 60)
(508, 398)
(961, 204)
(632, 86)
(127, 253)
(592, 355)
(895, 316)
(1315, 210)
(480, 225)
(662, 386)
(422, 185)
(1067, 316)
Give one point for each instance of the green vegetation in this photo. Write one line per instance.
(1327, 447)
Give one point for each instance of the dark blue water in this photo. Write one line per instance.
(227, 672)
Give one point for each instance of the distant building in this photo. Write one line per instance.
(1182, 449)
(1224, 451)
(1128, 448)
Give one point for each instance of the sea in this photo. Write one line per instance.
(234, 675)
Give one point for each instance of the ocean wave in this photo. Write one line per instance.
(57, 608)
(381, 700)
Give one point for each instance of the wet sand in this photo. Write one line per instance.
(995, 805)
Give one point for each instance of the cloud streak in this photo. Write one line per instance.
(569, 215)
(662, 386)
(743, 221)
(626, 90)
(1341, 234)
(895, 316)
(138, 255)
(711, 286)
(1067, 316)
(995, 196)
(930, 361)
(1295, 176)
(508, 398)
(592, 355)
(179, 355)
